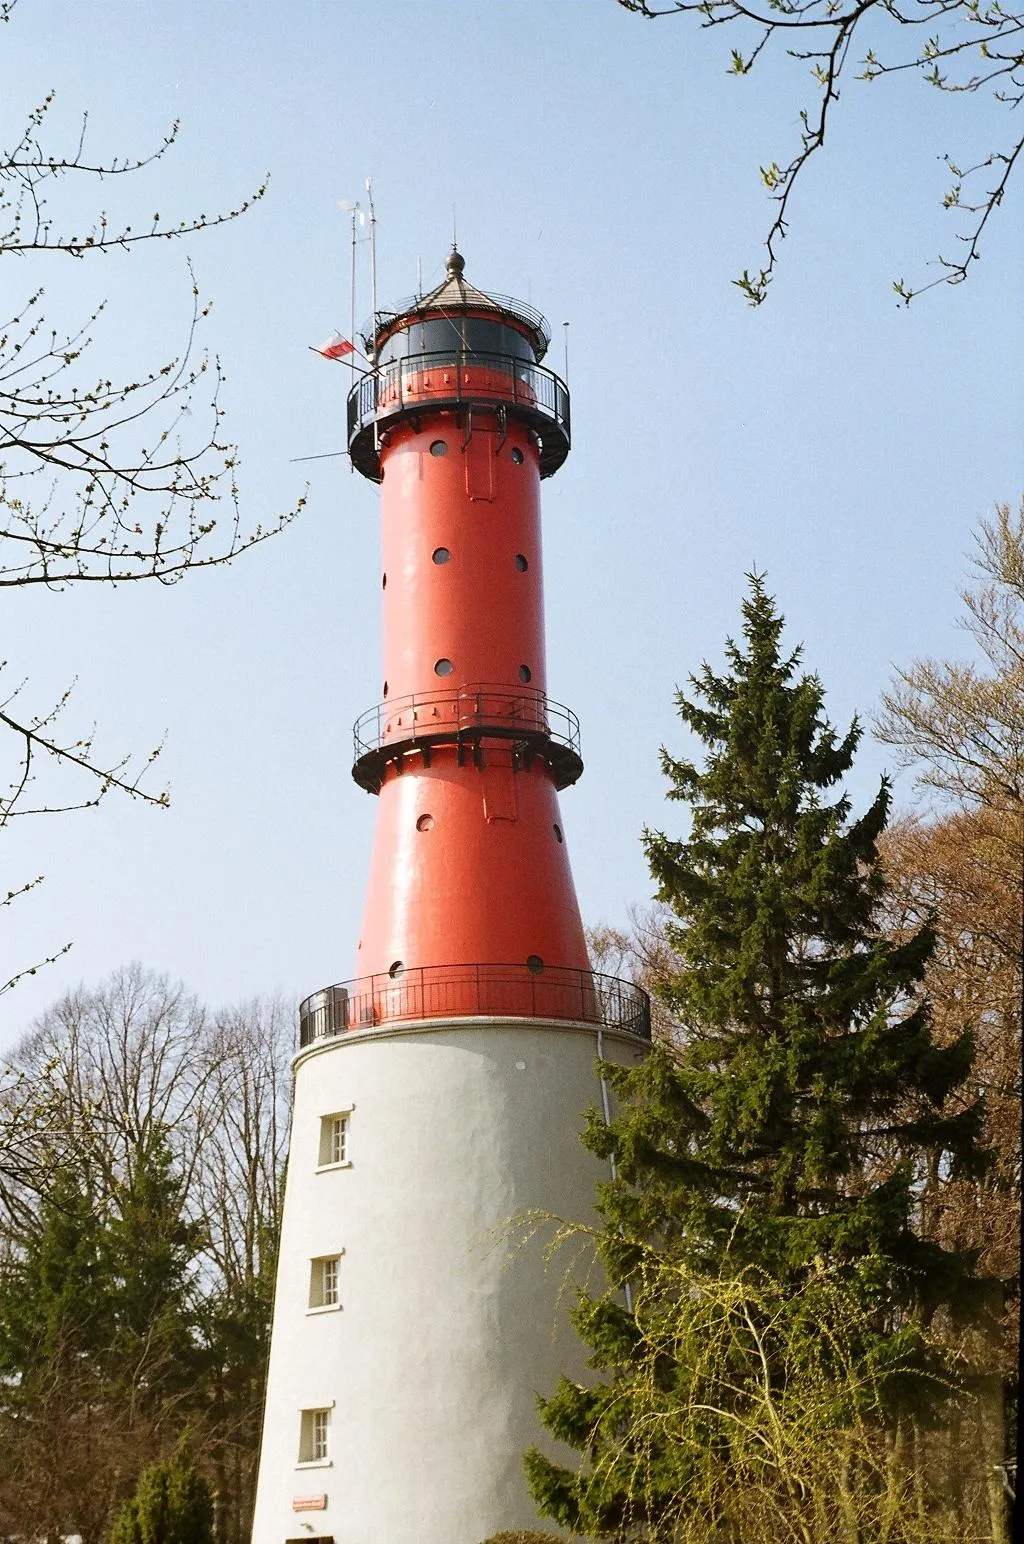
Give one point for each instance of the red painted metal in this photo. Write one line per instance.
(468, 863)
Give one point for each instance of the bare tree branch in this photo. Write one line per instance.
(957, 34)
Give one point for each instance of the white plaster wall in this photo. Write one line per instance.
(446, 1328)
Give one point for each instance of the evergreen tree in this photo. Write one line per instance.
(151, 1249)
(53, 1305)
(787, 1131)
(172, 1505)
(100, 1356)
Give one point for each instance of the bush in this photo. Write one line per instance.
(524, 1536)
(173, 1504)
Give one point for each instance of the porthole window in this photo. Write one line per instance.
(443, 667)
(525, 673)
(384, 582)
(395, 969)
(558, 833)
(517, 455)
(534, 964)
(385, 688)
(425, 823)
(521, 563)
(439, 447)
(440, 555)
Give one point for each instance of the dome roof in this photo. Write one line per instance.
(455, 294)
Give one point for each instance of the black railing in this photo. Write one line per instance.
(532, 722)
(417, 306)
(472, 991)
(404, 387)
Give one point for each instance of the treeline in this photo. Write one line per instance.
(142, 1149)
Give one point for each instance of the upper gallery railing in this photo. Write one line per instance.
(531, 990)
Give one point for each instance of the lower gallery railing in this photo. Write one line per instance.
(521, 991)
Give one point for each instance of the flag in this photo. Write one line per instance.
(336, 347)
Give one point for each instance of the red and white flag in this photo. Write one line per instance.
(336, 347)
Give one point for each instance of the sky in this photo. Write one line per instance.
(605, 169)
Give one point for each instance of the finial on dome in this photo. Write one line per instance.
(456, 263)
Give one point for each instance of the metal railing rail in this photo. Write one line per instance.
(456, 378)
(468, 714)
(469, 707)
(516, 991)
(419, 305)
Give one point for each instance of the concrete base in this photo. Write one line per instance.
(449, 1322)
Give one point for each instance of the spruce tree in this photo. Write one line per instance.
(786, 1132)
(172, 1505)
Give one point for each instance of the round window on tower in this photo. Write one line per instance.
(440, 555)
(425, 823)
(517, 455)
(525, 673)
(443, 667)
(395, 969)
(534, 964)
(521, 563)
(439, 447)
(558, 834)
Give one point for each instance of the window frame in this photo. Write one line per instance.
(317, 1301)
(327, 1142)
(315, 1437)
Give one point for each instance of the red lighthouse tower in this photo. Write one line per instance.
(440, 1094)
(467, 752)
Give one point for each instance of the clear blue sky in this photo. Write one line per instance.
(606, 170)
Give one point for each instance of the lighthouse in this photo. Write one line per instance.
(440, 1093)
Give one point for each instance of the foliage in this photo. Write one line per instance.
(138, 1231)
(522, 1536)
(960, 47)
(172, 1505)
(788, 1131)
(961, 869)
(747, 1411)
(961, 723)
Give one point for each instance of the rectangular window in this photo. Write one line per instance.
(314, 1437)
(334, 1142)
(323, 1281)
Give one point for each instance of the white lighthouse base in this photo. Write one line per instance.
(400, 1414)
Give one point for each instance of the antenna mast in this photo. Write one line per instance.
(373, 272)
(352, 289)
